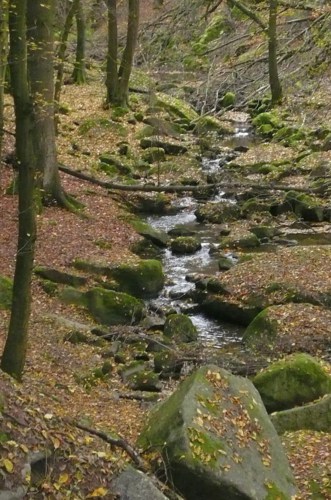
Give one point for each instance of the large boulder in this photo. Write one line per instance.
(6, 291)
(315, 416)
(106, 306)
(291, 381)
(289, 328)
(114, 308)
(141, 279)
(217, 440)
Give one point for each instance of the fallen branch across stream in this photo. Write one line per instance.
(180, 189)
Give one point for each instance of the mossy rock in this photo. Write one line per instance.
(304, 206)
(207, 124)
(225, 263)
(254, 206)
(158, 237)
(51, 274)
(217, 213)
(176, 107)
(291, 381)
(228, 100)
(244, 241)
(6, 292)
(113, 308)
(181, 230)
(168, 364)
(170, 148)
(141, 279)
(265, 232)
(153, 154)
(209, 433)
(185, 244)
(113, 161)
(266, 118)
(144, 380)
(180, 328)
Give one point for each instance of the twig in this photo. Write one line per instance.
(119, 442)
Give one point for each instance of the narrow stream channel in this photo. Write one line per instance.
(177, 267)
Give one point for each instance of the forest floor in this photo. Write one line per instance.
(40, 414)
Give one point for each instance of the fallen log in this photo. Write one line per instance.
(182, 189)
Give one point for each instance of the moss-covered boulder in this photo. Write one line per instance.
(113, 308)
(56, 276)
(207, 124)
(217, 213)
(167, 363)
(153, 154)
(289, 328)
(141, 279)
(185, 244)
(315, 416)
(6, 292)
(217, 440)
(117, 163)
(158, 237)
(176, 107)
(245, 240)
(180, 328)
(262, 231)
(304, 206)
(291, 381)
(169, 147)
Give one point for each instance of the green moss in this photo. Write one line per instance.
(113, 308)
(267, 118)
(228, 100)
(101, 123)
(6, 292)
(176, 107)
(292, 381)
(261, 329)
(180, 328)
(185, 244)
(142, 279)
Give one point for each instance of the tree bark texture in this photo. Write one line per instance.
(3, 61)
(14, 354)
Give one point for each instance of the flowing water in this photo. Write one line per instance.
(177, 267)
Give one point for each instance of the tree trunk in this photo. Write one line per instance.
(275, 86)
(62, 50)
(112, 76)
(118, 80)
(79, 73)
(128, 54)
(40, 17)
(14, 354)
(3, 61)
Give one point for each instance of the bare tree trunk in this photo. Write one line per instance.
(112, 76)
(3, 61)
(79, 73)
(14, 354)
(62, 50)
(275, 86)
(118, 79)
(41, 69)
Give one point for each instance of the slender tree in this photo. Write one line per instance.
(275, 85)
(3, 60)
(79, 73)
(62, 50)
(118, 78)
(13, 358)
